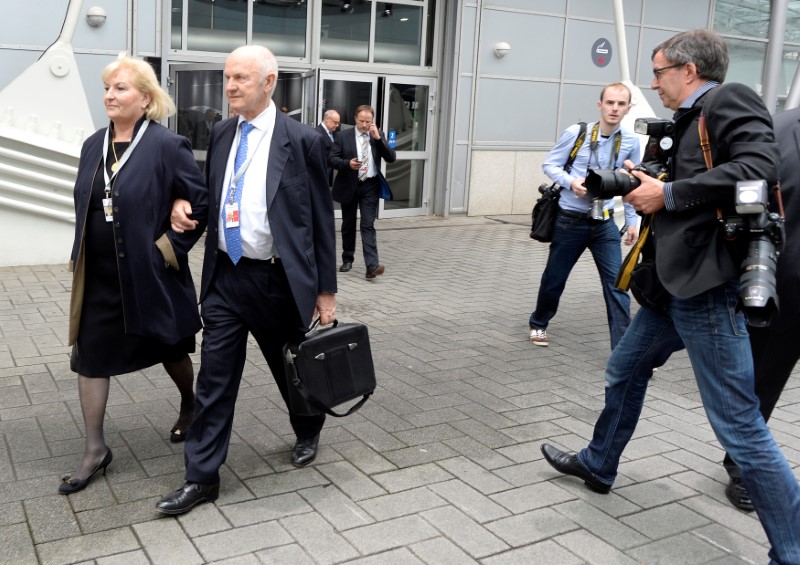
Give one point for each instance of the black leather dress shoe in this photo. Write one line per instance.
(374, 271)
(568, 464)
(187, 497)
(738, 495)
(345, 267)
(305, 451)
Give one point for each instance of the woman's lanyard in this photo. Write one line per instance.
(107, 201)
(612, 158)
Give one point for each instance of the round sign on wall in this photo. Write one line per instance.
(601, 52)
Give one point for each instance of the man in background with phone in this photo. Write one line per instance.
(357, 155)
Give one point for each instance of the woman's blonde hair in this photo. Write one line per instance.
(144, 79)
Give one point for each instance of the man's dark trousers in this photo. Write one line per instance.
(250, 297)
(365, 200)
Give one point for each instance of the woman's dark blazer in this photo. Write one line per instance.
(158, 294)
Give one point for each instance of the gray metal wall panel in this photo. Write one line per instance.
(551, 6)
(458, 196)
(515, 111)
(468, 33)
(42, 22)
(680, 14)
(463, 106)
(147, 24)
(535, 44)
(605, 10)
(113, 35)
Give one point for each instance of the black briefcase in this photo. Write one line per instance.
(330, 367)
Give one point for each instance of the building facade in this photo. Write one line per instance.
(474, 92)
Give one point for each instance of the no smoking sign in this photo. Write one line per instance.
(601, 52)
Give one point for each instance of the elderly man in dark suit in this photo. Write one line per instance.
(269, 266)
(327, 128)
(357, 155)
(775, 347)
(697, 269)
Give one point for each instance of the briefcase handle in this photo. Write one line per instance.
(315, 327)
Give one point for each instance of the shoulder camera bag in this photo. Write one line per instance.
(545, 211)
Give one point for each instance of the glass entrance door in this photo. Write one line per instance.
(198, 91)
(344, 93)
(408, 110)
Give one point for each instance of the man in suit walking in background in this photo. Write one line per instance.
(775, 348)
(357, 156)
(269, 265)
(327, 127)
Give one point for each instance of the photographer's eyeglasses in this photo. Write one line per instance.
(657, 72)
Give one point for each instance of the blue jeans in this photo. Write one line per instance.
(571, 237)
(715, 337)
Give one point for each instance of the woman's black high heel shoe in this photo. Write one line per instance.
(178, 432)
(70, 484)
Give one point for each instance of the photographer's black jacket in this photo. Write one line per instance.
(691, 253)
(787, 133)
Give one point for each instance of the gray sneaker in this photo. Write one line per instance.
(539, 337)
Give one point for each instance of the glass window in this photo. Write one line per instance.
(344, 34)
(406, 177)
(408, 115)
(431, 29)
(281, 28)
(177, 23)
(746, 62)
(751, 19)
(217, 25)
(398, 34)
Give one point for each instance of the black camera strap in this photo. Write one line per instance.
(576, 146)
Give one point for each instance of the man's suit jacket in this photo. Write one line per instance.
(345, 148)
(692, 255)
(299, 208)
(324, 132)
(787, 132)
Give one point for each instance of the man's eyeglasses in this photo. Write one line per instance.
(657, 72)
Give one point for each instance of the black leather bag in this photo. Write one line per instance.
(330, 367)
(647, 288)
(545, 212)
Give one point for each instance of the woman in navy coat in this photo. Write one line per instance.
(133, 299)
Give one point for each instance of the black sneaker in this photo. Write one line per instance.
(738, 495)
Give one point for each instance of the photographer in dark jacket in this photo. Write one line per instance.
(699, 272)
(775, 350)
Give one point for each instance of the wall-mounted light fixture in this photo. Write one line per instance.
(347, 7)
(501, 49)
(95, 16)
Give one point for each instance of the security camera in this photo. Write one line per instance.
(96, 16)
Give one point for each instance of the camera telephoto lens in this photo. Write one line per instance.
(757, 290)
(605, 184)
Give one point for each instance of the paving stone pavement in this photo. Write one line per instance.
(442, 465)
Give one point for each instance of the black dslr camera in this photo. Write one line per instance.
(604, 183)
(765, 232)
